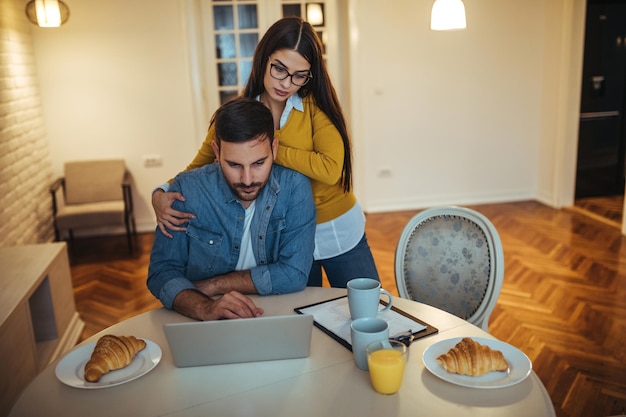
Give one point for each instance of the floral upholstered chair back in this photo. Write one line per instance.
(451, 258)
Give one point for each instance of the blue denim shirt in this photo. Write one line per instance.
(282, 230)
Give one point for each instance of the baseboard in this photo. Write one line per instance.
(423, 203)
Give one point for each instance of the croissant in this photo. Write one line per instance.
(111, 352)
(471, 358)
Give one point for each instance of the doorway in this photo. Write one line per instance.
(600, 173)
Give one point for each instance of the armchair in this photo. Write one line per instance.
(93, 194)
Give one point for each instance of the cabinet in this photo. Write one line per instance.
(38, 315)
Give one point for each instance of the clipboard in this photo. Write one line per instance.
(333, 318)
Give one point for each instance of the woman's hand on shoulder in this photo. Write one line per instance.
(167, 217)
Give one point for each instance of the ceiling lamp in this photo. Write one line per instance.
(448, 15)
(47, 13)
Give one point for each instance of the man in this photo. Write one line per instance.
(254, 225)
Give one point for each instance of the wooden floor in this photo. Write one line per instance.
(563, 301)
(604, 209)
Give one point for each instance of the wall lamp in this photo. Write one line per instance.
(448, 15)
(47, 13)
(315, 14)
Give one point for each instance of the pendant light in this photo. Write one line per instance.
(448, 15)
(47, 13)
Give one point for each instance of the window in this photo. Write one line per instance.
(236, 33)
(223, 35)
(236, 28)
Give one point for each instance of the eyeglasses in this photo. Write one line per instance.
(280, 73)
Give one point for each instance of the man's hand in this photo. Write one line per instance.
(232, 305)
(167, 217)
(235, 305)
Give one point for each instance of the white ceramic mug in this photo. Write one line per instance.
(364, 331)
(364, 298)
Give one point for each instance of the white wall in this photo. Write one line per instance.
(115, 83)
(437, 117)
(456, 117)
(562, 61)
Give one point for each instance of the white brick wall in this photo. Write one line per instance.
(25, 170)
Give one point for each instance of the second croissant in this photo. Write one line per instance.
(471, 358)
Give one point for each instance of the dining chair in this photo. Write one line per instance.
(451, 258)
(93, 194)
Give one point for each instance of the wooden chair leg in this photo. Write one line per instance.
(130, 233)
(131, 248)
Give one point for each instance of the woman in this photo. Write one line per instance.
(289, 76)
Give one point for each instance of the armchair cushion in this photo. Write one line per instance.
(84, 216)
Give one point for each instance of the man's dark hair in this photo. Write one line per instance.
(242, 120)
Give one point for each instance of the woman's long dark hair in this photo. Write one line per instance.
(295, 34)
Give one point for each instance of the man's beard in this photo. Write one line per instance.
(247, 192)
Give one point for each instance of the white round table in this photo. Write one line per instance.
(327, 383)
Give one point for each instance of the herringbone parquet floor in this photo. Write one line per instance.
(563, 301)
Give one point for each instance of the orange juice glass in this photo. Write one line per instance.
(386, 361)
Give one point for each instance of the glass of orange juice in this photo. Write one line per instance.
(386, 360)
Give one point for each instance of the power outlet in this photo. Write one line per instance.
(151, 161)
(384, 173)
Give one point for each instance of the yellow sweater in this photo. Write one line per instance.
(310, 144)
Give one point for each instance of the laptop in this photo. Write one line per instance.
(242, 340)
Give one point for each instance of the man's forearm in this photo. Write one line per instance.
(232, 305)
(240, 281)
(192, 303)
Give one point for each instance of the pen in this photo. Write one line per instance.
(404, 337)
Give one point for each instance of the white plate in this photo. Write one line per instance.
(519, 365)
(71, 369)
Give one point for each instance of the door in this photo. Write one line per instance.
(602, 133)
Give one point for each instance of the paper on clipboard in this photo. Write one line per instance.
(334, 316)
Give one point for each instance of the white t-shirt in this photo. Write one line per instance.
(246, 255)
